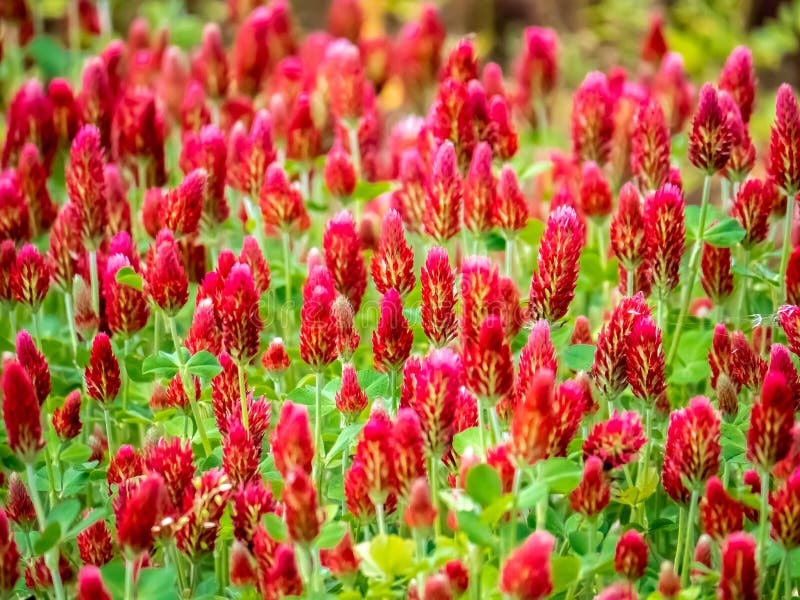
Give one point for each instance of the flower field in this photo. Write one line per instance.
(294, 313)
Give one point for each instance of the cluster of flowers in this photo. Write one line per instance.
(510, 466)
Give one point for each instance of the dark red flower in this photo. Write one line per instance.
(739, 574)
(438, 315)
(617, 440)
(392, 340)
(664, 237)
(90, 583)
(630, 556)
(650, 146)
(67, 417)
(526, 574)
(442, 216)
(86, 184)
(95, 545)
(393, 263)
(710, 138)
(591, 124)
(343, 257)
(784, 142)
(291, 440)
(771, 419)
(350, 399)
(594, 490)
(141, 512)
(720, 514)
(126, 307)
(21, 412)
(30, 277)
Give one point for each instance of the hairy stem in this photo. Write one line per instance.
(787, 246)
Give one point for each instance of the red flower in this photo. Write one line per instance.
(275, 360)
(206, 151)
(569, 405)
(593, 492)
(30, 119)
(35, 365)
(96, 99)
(592, 124)
(350, 399)
(650, 146)
(479, 191)
(654, 46)
(126, 464)
(32, 178)
(536, 67)
(630, 556)
(302, 135)
(138, 131)
(303, 519)
(789, 320)
(420, 513)
(393, 263)
(238, 308)
(165, 279)
(291, 440)
(785, 518)
(715, 274)
(595, 192)
(317, 345)
(30, 277)
(771, 419)
(644, 362)
(340, 173)
(343, 257)
(488, 362)
(126, 308)
(19, 504)
(90, 585)
(501, 131)
(240, 452)
(204, 334)
(203, 506)
(249, 502)
(67, 417)
(242, 567)
(553, 285)
(341, 560)
(533, 420)
(510, 210)
(739, 574)
(181, 208)
(142, 510)
(720, 514)
(250, 56)
(392, 340)
(86, 183)
(21, 412)
(526, 572)
(617, 440)
(664, 231)
(751, 208)
(102, 373)
(442, 217)
(692, 450)
(174, 462)
(9, 556)
(281, 203)
(95, 545)
(410, 197)
(250, 154)
(210, 63)
(437, 312)
(374, 462)
(609, 370)
(344, 76)
(710, 138)
(409, 452)
(784, 159)
(14, 214)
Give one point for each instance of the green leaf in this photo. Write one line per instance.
(635, 495)
(330, 534)
(49, 55)
(386, 557)
(536, 169)
(346, 437)
(157, 583)
(531, 495)
(560, 475)
(578, 357)
(469, 438)
(204, 365)
(476, 531)
(695, 371)
(366, 190)
(724, 234)
(64, 514)
(89, 520)
(276, 528)
(531, 233)
(48, 539)
(483, 484)
(76, 453)
(161, 364)
(127, 276)
(565, 571)
(494, 242)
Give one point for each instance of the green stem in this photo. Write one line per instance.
(51, 477)
(51, 558)
(243, 398)
(694, 265)
(287, 270)
(188, 387)
(681, 535)
(787, 576)
(355, 150)
(380, 517)
(109, 430)
(779, 577)
(393, 389)
(73, 335)
(631, 273)
(319, 449)
(156, 332)
(787, 245)
(763, 522)
(127, 381)
(741, 309)
(130, 586)
(644, 459)
(419, 541)
(94, 281)
(37, 327)
(689, 541)
(481, 425)
(434, 481)
(510, 256)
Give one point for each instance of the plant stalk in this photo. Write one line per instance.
(51, 558)
(73, 335)
(94, 281)
(763, 522)
(319, 450)
(689, 541)
(787, 245)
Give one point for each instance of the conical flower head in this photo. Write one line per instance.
(32, 178)
(165, 279)
(594, 490)
(392, 340)
(375, 456)
(627, 229)
(343, 73)
(173, 460)
(526, 574)
(479, 191)
(715, 273)
(720, 514)
(479, 294)
(595, 192)
(510, 212)
(141, 512)
(533, 420)
(488, 363)
(275, 359)
(90, 584)
(784, 142)
(182, 207)
(340, 173)
(536, 67)
(739, 578)
(538, 353)
(86, 183)
(9, 563)
(592, 124)
(350, 400)
(553, 285)
(291, 440)
(440, 377)
(67, 417)
(751, 207)
(343, 257)
(438, 314)
(35, 365)
(739, 80)
(318, 346)
(126, 307)
(95, 544)
(630, 556)
(240, 319)
(206, 151)
(409, 451)
(302, 135)
(616, 441)
(789, 321)
(645, 360)
(692, 448)
(393, 263)
(771, 419)
(410, 198)
(442, 216)
(21, 412)
(785, 518)
(300, 509)
(710, 138)
(210, 64)
(30, 277)
(240, 452)
(281, 202)
(664, 231)
(203, 507)
(14, 215)
(102, 374)
(347, 337)
(650, 146)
